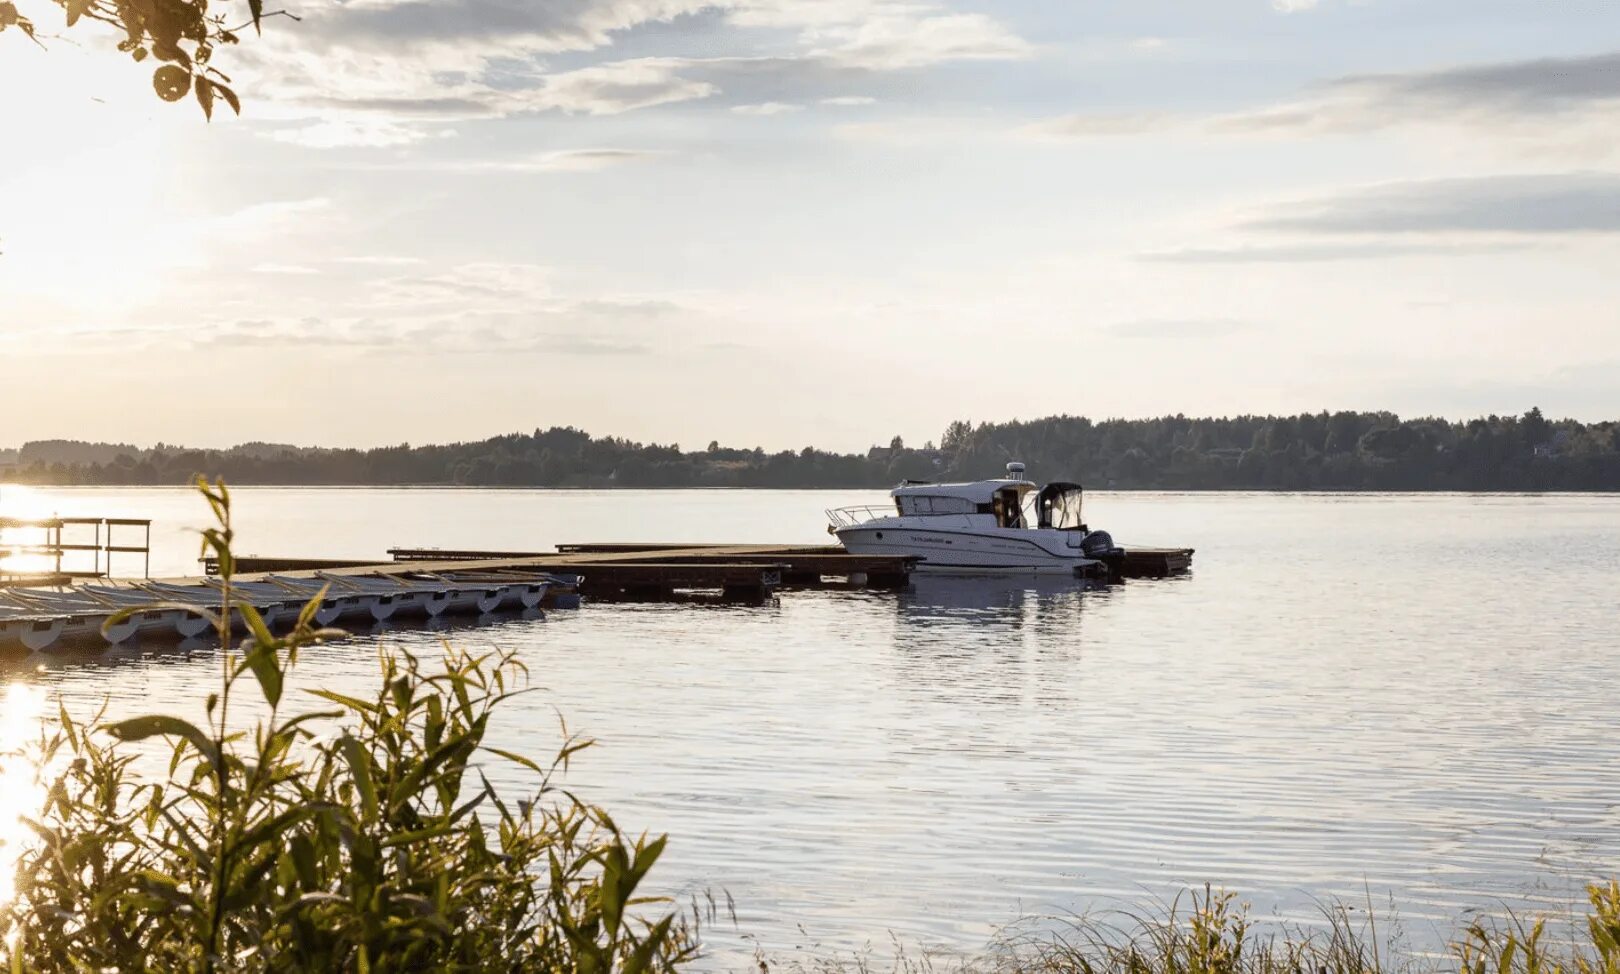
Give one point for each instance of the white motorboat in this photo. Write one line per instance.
(1005, 526)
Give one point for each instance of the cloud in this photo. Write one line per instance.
(290, 269)
(627, 308)
(849, 101)
(1293, 6)
(1312, 252)
(887, 43)
(545, 330)
(380, 260)
(1542, 204)
(1528, 90)
(587, 160)
(193, 241)
(1502, 99)
(1082, 126)
(767, 108)
(557, 161)
(349, 130)
(489, 26)
(1190, 328)
(1445, 218)
(410, 62)
(614, 87)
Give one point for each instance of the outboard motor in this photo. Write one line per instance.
(1097, 544)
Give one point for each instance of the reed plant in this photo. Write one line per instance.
(359, 834)
(1212, 932)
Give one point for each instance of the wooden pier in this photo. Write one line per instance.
(630, 572)
(801, 567)
(651, 571)
(48, 542)
(1156, 562)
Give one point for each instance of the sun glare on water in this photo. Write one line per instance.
(22, 504)
(21, 793)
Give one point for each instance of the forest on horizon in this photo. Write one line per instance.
(1310, 451)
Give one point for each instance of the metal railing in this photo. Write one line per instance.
(848, 517)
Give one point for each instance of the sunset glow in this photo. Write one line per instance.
(699, 201)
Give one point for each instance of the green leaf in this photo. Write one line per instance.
(171, 84)
(360, 768)
(306, 615)
(266, 667)
(204, 90)
(645, 857)
(274, 827)
(229, 96)
(640, 959)
(516, 759)
(353, 703)
(255, 623)
(140, 728)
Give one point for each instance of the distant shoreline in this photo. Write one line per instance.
(1346, 452)
(1317, 491)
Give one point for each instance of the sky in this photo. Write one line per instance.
(794, 222)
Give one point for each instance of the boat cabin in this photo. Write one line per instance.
(1056, 506)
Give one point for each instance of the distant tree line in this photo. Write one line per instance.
(1330, 451)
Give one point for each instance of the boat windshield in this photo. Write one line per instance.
(1058, 506)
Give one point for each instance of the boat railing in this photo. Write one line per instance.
(848, 517)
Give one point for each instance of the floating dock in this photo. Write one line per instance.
(661, 570)
(471, 580)
(634, 572)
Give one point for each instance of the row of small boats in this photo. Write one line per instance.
(38, 619)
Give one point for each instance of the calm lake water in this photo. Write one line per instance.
(1415, 698)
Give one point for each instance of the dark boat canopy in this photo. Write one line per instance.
(1058, 506)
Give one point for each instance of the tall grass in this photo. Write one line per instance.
(1211, 932)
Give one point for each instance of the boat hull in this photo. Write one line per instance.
(963, 553)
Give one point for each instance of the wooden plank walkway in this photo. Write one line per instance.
(744, 572)
(621, 570)
(1140, 562)
(1156, 562)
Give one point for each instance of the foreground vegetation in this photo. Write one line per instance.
(1211, 933)
(1343, 451)
(361, 837)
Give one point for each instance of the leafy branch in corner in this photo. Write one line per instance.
(181, 36)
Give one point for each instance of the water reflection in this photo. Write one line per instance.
(23, 504)
(992, 645)
(20, 791)
(973, 601)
